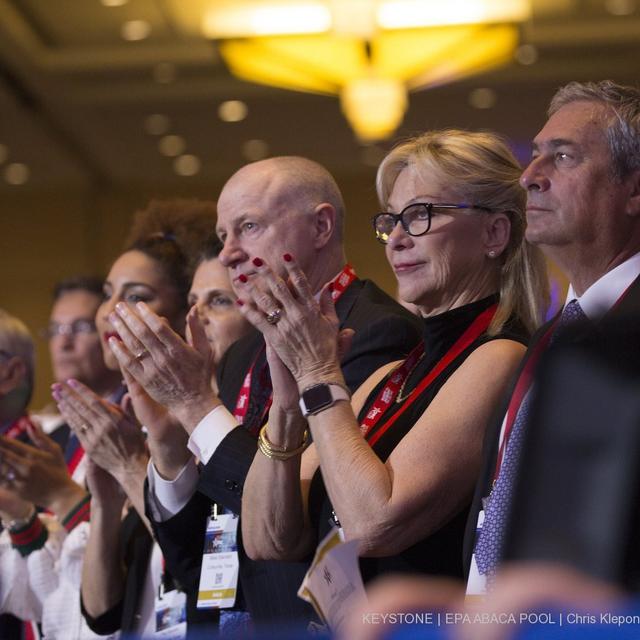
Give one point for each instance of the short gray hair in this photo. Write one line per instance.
(623, 125)
(16, 340)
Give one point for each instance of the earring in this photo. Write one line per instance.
(492, 254)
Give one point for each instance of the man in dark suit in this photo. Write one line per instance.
(583, 210)
(268, 211)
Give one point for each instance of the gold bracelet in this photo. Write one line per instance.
(280, 453)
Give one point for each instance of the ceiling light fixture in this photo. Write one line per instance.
(172, 145)
(482, 98)
(370, 53)
(186, 165)
(135, 30)
(16, 173)
(232, 111)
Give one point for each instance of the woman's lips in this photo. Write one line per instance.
(407, 267)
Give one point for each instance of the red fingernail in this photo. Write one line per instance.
(258, 262)
(239, 302)
(243, 278)
(287, 257)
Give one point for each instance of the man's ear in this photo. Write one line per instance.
(497, 232)
(12, 374)
(633, 204)
(324, 224)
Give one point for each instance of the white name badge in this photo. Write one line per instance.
(171, 614)
(219, 573)
(333, 584)
(477, 582)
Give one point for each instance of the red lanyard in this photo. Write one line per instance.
(389, 392)
(524, 383)
(340, 283)
(520, 391)
(17, 428)
(242, 403)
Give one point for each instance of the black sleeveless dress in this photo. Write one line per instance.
(441, 552)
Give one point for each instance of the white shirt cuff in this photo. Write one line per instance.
(168, 497)
(210, 432)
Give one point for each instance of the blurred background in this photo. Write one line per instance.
(105, 104)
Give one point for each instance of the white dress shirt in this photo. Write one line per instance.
(602, 295)
(167, 497)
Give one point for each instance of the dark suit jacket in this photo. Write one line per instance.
(384, 331)
(628, 306)
(580, 466)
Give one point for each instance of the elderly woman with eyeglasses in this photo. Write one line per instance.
(395, 465)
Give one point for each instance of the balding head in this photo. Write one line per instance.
(282, 205)
(293, 181)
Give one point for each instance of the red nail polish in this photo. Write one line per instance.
(243, 278)
(287, 257)
(258, 262)
(239, 302)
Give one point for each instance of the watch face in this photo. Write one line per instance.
(317, 397)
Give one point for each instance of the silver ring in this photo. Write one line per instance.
(10, 475)
(142, 354)
(273, 317)
(84, 428)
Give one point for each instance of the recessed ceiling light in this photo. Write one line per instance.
(134, 30)
(186, 165)
(482, 98)
(16, 173)
(114, 3)
(171, 146)
(232, 111)
(164, 72)
(156, 124)
(526, 54)
(620, 7)
(254, 150)
(4, 153)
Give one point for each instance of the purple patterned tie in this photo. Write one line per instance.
(489, 543)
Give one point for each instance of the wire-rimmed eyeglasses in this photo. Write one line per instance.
(415, 219)
(77, 327)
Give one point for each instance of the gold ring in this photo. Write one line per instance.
(142, 354)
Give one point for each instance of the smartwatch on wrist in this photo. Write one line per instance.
(321, 396)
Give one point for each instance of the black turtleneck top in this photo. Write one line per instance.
(441, 552)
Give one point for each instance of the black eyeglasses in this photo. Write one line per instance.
(77, 327)
(415, 219)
